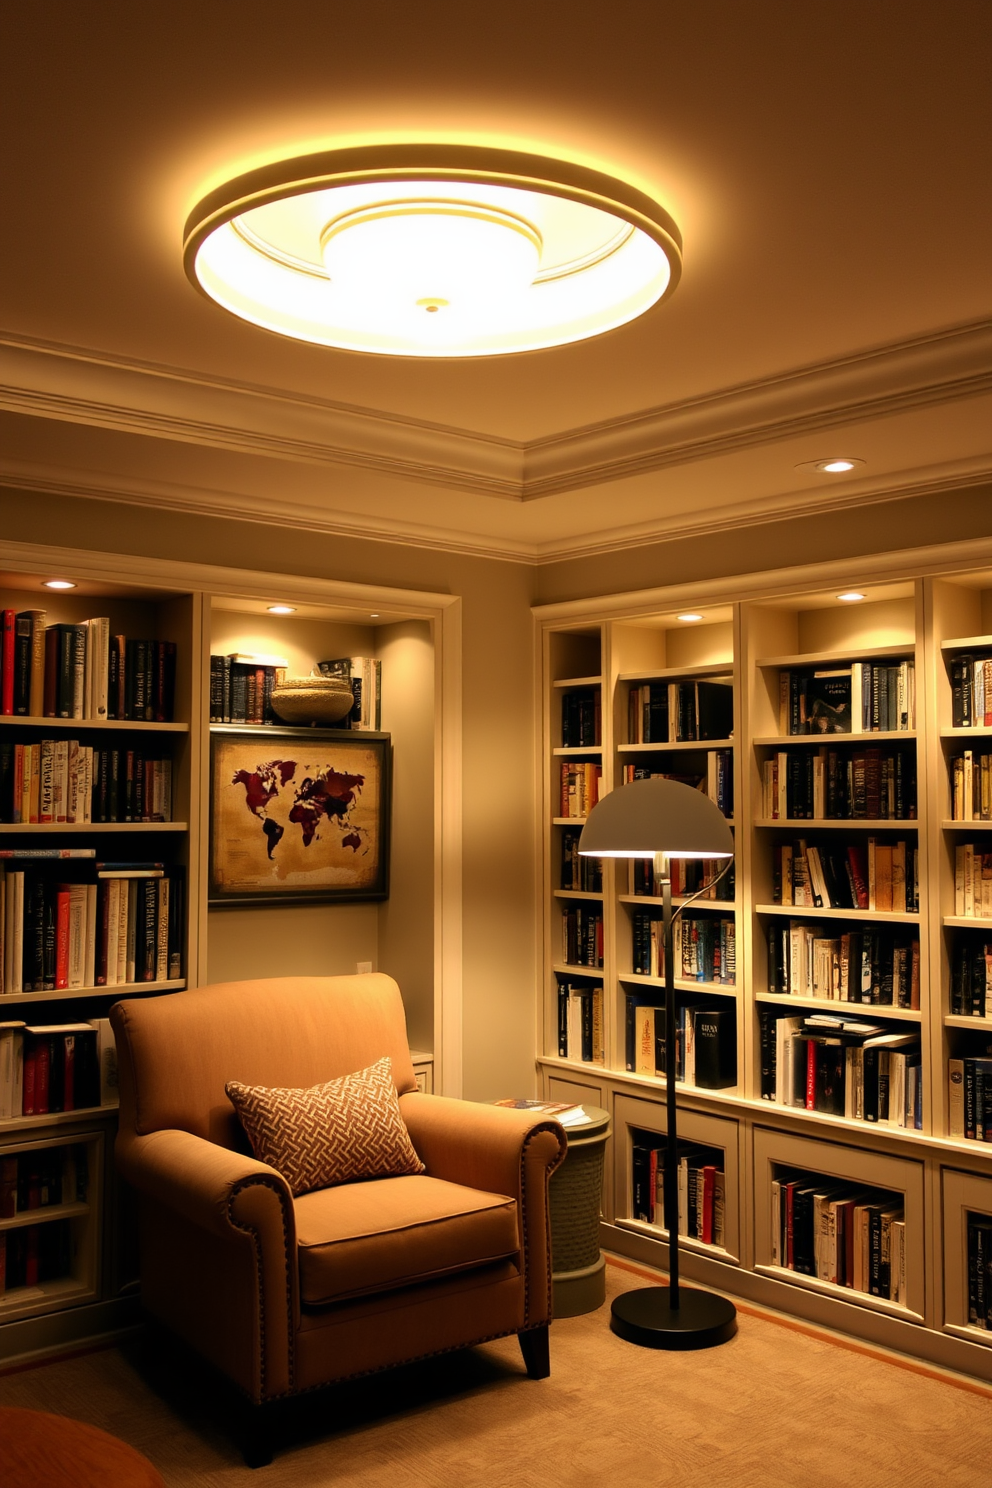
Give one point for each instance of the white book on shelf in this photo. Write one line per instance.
(11, 1068)
(98, 658)
(122, 926)
(77, 936)
(162, 930)
(112, 914)
(130, 897)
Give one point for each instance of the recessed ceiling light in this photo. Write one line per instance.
(282, 609)
(851, 597)
(59, 584)
(373, 614)
(834, 465)
(432, 250)
(689, 617)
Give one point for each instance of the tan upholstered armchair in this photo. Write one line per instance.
(284, 1295)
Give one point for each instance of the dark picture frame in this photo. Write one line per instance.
(298, 815)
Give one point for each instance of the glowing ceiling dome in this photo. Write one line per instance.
(432, 251)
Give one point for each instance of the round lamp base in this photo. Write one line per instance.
(646, 1317)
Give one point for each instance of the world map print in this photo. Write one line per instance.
(326, 797)
(308, 820)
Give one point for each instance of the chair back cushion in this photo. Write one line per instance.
(176, 1053)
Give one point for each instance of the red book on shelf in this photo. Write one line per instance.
(29, 1077)
(7, 663)
(811, 1074)
(62, 936)
(859, 872)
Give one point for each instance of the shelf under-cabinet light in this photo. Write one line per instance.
(850, 596)
(688, 617)
(58, 584)
(282, 609)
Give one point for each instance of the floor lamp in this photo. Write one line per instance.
(664, 819)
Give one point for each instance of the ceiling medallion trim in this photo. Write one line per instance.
(631, 271)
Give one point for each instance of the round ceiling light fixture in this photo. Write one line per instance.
(432, 250)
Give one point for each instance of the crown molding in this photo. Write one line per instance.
(49, 380)
(240, 506)
(249, 507)
(70, 383)
(923, 372)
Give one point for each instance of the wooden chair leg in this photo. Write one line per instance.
(256, 1435)
(537, 1355)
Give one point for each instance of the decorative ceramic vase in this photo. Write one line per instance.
(312, 700)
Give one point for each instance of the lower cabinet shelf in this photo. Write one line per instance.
(50, 1222)
(966, 1216)
(881, 1221)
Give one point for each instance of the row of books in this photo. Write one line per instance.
(125, 925)
(842, 1067)
(840, 1233)
(872, 964)
(584, 874)
(82, 671)
(582, 935)
(42, 1178)
(825, 785)
(980, 1271)
(62, 780)
(33, 1254)
(705, 1043)
(581, 1021)
(972, 881)
(969, 1089)
(971, 785)
(878, 875)
(680, 712)
(580, 783)
(688, 876)
(971, 690)
(241, 687)
(581, 718)
(971, 977)
(704, 947)
(717, 782)
(865, 698)
(56, 1067)
(701, 1187)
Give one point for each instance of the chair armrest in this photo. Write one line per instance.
(497, 1150)
(242, 1203)
(200, 1180)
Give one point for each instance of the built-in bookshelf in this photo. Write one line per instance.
(844, 965)
(134, 828)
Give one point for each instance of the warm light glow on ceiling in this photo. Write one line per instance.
(688, 617)
(59, 584)
(851, 597)
(282, 609)
(432, 251)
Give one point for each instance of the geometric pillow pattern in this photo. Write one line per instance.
(333, 1133)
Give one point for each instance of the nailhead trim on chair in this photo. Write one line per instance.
(280, 1192)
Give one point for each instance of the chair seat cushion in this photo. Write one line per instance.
(394, 1232)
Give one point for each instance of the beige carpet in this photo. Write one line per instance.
(775, 1408)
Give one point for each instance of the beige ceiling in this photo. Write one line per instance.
(828, 165)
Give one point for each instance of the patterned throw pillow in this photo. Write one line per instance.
(349, 1128)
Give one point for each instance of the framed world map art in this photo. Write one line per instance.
(298, 814)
